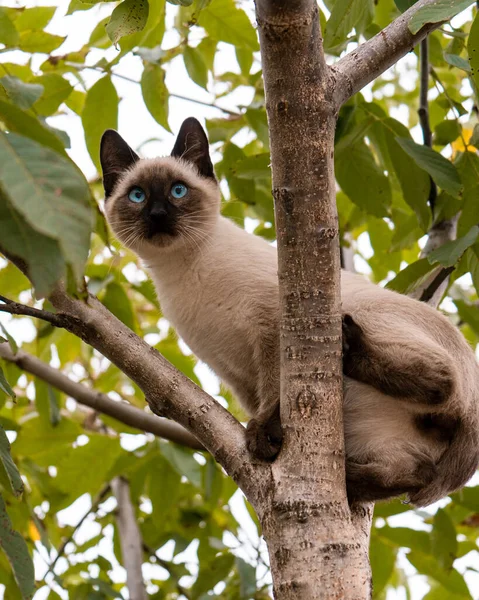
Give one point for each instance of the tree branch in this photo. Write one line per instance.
(369, 60)
(423, 112)
(126, 413)
(309, 503)
(167, 391)
(14, 308)
(130, 539)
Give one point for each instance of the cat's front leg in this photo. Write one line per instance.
(405, 369)
(264, 434)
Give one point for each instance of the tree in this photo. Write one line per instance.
(88, 338)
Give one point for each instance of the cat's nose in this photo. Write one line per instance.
(157, 212)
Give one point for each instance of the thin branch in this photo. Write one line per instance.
(423, 111)
(121, 411)
(369, 60)
(130, 539)
(131, 80)
(94, 507)
(14, 308)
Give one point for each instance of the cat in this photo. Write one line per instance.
(411, 381)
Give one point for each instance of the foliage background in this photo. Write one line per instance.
(62, 82)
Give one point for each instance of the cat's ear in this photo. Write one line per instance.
(115, 157)
(192, 145)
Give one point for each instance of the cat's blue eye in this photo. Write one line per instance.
(178, 190)
(137, 195)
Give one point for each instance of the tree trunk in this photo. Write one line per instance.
(310, 531)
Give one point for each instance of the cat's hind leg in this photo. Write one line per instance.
(418, 372)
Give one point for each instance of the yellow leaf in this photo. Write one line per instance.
(33, 532)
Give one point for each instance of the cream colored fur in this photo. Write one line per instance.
(220, 291)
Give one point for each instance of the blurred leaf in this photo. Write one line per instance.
(403, 5)
(35, 18)
(16, 483)
(362, 180)
(382, 557)
(195, 66)
(155, 93)
(345, 15)
(8, 32)
(411, 277)
(56, 90)
(127, 18)
(224, 21)
(50, 193)
(22, 122)
(11, 341)
(441, 10)
(39, 41)
(439, 168)
(117, 302)
(4, 385)
(183, 462)
(446, 132)
(20, 93)
(16, 550)
(443, 539)
(451, 579)
(449, 254)
(247, 574)
(100, 113)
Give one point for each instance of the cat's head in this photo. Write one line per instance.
(160, 202)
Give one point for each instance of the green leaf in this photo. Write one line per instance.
(195, 66)
(439, 168)
(50, 193)
(128, 17)
(451, 579)
(56, 90)
(211, 574)
(35, 18)
(39, 441)
(20, 121)
(403, 5)
(183, 462)
(14, 478)
(449, 254)
(41, 253)
(468, 314)
(253, 167)
(457, 61)
(155, 93)
(20, 93)
(17, 553)
(11, 341)
(8, 32)
(407, 280)
(446, 132)
(72, 475)
(39, 41)
(473, 50)
(99, 113)
(440, 10)
(5, 386)
(383, 558)
(117, 302)
(346, 15)
(225, 22)
(444, 539)
(403, 537)
(362, 180)
(414, 181)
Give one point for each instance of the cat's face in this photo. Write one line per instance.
(161, 202)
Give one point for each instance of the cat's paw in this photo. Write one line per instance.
(352, 334)
(263, 439)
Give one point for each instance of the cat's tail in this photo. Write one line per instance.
(455, 467)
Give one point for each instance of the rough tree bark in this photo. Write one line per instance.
(317, 544)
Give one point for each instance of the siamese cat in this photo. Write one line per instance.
(411, 385)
